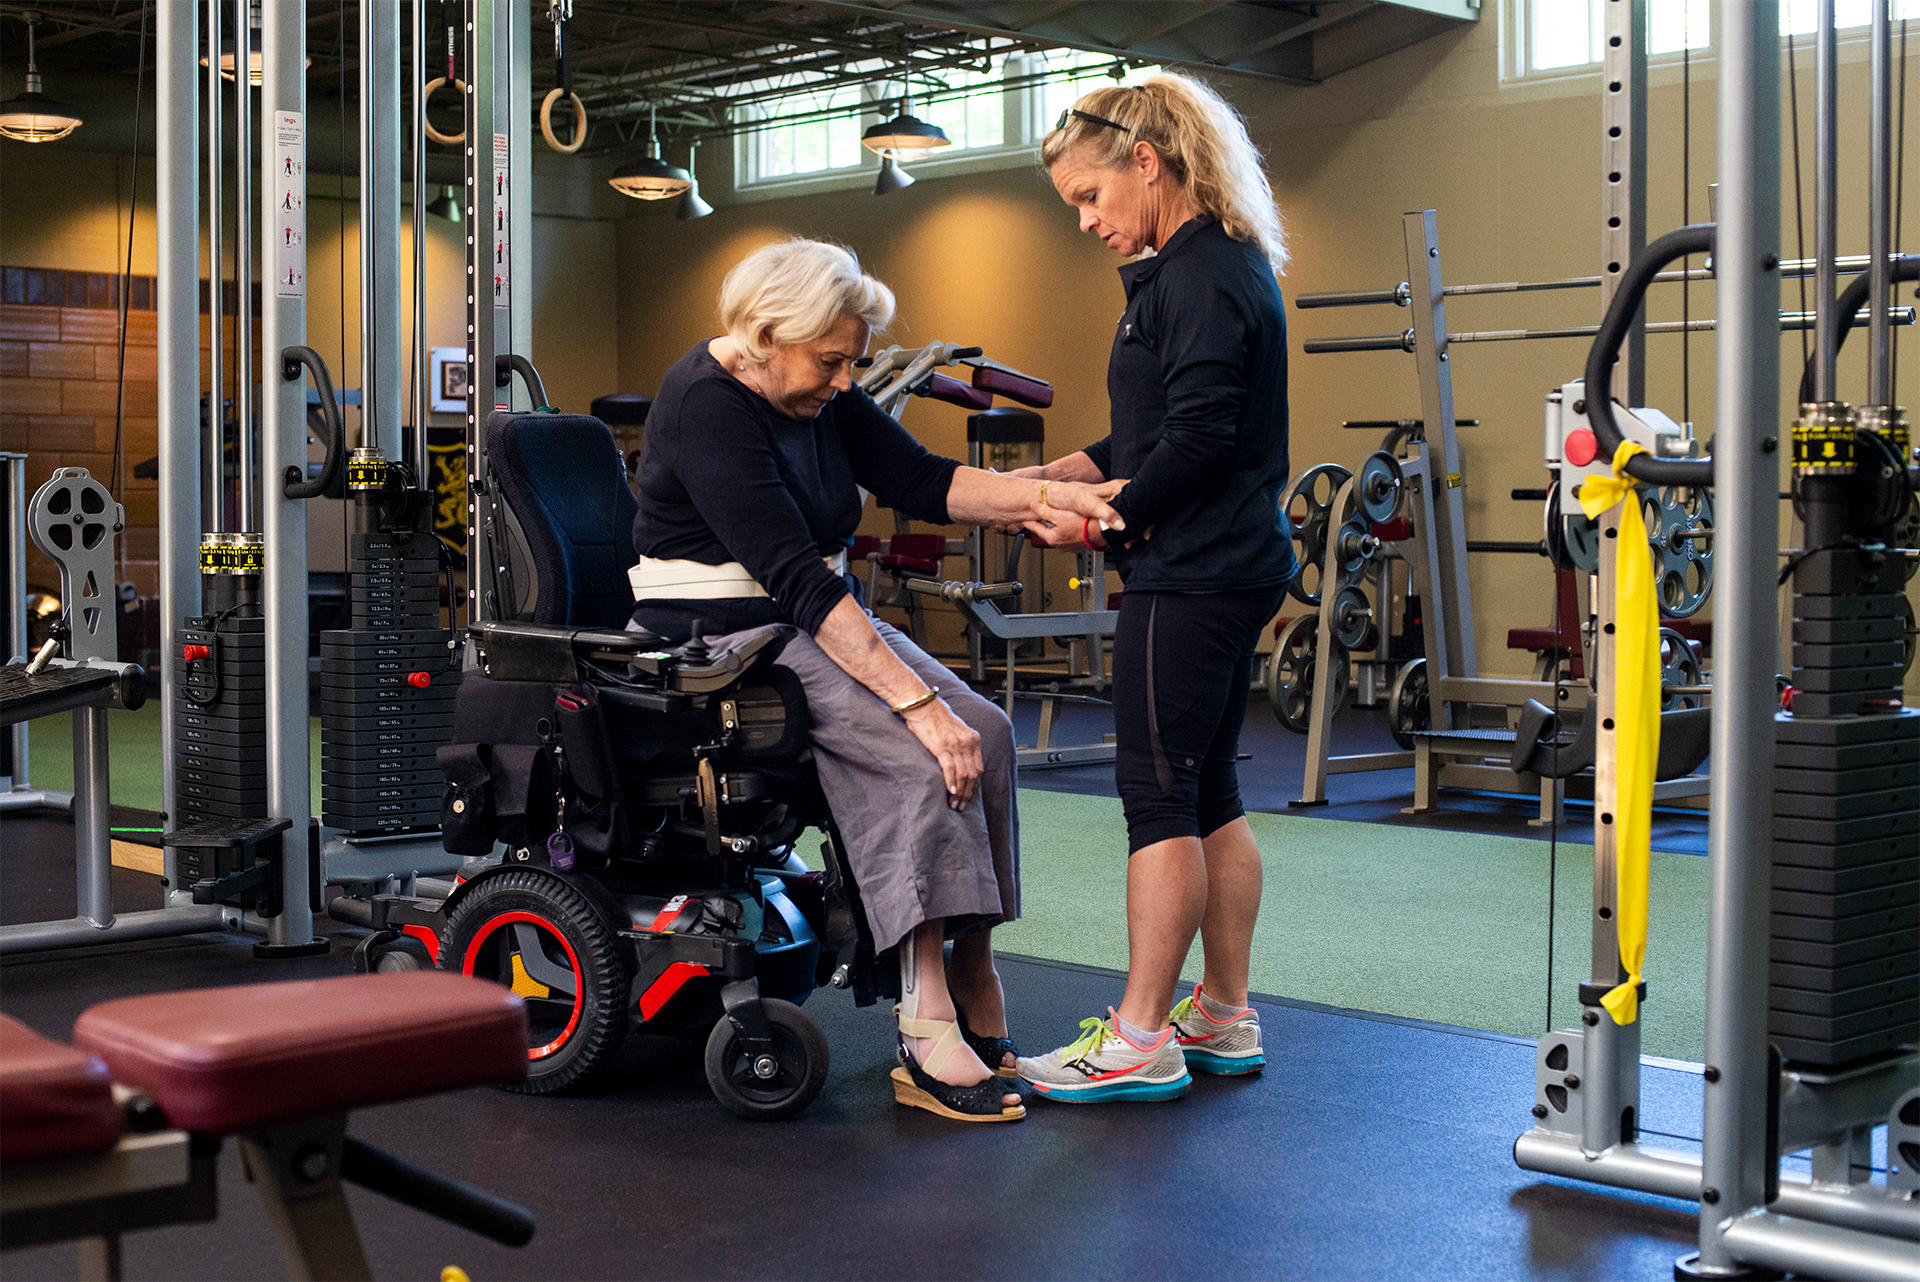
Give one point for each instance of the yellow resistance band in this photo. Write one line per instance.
(1627, 755)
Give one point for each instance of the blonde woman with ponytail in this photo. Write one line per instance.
(1165, 175)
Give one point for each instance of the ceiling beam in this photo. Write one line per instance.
(1172, 19)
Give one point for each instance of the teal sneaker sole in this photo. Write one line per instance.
(1115, 1092)
(1223, 1065)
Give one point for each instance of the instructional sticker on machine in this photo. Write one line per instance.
(502, 257)
(288, 214)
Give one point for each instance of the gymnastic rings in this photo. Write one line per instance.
(426, 94)
(579, 122)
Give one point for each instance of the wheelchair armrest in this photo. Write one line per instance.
(512, 651)
(704, 674)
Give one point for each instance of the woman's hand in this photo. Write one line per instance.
(953, 743)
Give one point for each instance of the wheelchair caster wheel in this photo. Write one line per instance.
(389, 951)
(773, 1084)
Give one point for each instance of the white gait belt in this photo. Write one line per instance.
(655, 579)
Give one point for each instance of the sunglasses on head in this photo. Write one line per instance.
(1091, 119)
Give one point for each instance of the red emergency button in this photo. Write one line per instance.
(1581, 447)
(195, 653)
(419, 680)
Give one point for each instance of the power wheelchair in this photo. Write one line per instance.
(648, 799)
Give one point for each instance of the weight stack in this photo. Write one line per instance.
(1844, 984)
(220, 675)
(386, 691)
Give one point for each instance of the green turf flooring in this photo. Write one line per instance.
(1417, 922)
(1422, 923)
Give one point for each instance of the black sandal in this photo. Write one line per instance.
(917, 1088)
(993, 1051)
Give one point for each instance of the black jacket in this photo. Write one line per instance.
(1198, 386)
(726, 477)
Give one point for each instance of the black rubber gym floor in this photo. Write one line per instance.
(1370, 1148)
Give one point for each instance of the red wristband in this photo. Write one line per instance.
(1086, 525)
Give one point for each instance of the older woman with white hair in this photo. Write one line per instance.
(757, 450)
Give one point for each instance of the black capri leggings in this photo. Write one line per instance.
(1182, 665)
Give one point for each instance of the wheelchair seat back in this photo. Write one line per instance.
(565, 483)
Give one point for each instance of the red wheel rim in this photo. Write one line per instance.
(486, 933)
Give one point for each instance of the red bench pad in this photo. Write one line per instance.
(54, 1100)
(225, 1060)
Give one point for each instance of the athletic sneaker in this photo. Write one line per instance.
(1103, 1066)
(1223, 1047)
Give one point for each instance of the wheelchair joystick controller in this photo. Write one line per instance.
(695, 650)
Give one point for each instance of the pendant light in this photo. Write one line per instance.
(905, 136)
(892, 177)
(651, 178)
(691, 206)
(32, 116)
(255, 61)
(447, 206)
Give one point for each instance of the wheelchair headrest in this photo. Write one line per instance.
(566, 483)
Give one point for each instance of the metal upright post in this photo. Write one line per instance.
(1880, 211)
(1826, 199)
(421, 398)
(1449, 608)
(488, 280)
(283, 99)
(177, 219)
(513, 119)
(216, 285)
(381, 387)
(1623, 178)
(1746, 518)
(13, 473)
(243, 412)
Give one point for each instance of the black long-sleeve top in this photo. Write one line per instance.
(726, 477)
(1198, 387)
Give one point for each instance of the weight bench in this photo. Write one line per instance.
(976, 603)
(121, 1131)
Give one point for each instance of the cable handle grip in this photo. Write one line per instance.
(506, 365)
(295, 484)
(1605, 354)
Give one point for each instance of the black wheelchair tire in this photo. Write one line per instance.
(597, 1019)
(801, 1049)
(402, 954)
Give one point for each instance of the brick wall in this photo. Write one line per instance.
(59, 361)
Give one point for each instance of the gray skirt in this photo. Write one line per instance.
(914, 857)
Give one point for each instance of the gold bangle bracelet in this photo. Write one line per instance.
(1043, 495)
(920, 701)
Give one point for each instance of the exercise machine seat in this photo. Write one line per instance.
(228, 1060)
(915, 553)
(55, 1101)
(566, 482)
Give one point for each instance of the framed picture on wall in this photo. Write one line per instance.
(450, 377)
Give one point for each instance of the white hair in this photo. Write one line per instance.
(794, 291)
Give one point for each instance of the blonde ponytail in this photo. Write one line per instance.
(1201, 140)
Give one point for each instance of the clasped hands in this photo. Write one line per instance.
(1076, 513)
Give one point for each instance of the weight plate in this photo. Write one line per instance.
(1357, 547)
(1293, 667)
(1679, 666)
(1909, 637)
(1906, 534)
(1380, 488)
(1308, 503)
(1573, 542)
(1352, 618)
(1680, 530)
(1408, 707)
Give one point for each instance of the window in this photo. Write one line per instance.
(1564, 34)
(1007, 110)
(1568, 35)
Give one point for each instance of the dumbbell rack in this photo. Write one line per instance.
(387, 684)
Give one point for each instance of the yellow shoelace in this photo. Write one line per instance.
(1092, 1033)
(1182, 1010)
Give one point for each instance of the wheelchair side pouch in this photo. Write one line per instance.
(596, 819)
(467, 823)
(523, 794)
